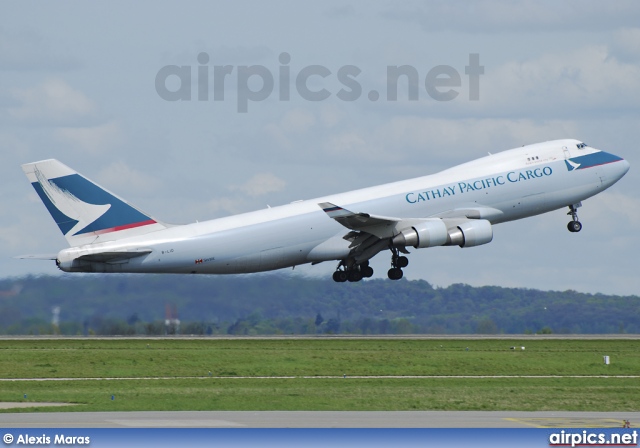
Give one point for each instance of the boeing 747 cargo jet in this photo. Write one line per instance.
(455, 207)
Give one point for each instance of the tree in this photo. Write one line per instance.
(333, 326)
(318, 322)
(487, 326)
(133, 319)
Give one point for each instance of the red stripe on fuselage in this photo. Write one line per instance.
(126, 226)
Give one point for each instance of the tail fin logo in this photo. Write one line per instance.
(80, 207)
(76, 210)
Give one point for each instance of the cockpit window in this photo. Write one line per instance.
(582, 145)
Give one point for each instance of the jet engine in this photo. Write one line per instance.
(470, 233)
(424, 234)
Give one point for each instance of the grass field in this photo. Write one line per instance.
(581, 381)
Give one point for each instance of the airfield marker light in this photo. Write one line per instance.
(25, 396)
(344, 375)
(607, 361)
(113, 397)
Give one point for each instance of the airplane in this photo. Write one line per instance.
(455, 207)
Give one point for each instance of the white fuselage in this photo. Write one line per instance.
(502, 187)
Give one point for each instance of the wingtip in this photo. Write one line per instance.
(328, 206)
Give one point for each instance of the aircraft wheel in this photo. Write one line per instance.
(339, 276)
(354, 275)
(402, 262)
(367, 271)
(395, 273)
(574, 226)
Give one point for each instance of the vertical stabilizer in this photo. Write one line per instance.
(85, 212)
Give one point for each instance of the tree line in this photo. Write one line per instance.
(279, 304)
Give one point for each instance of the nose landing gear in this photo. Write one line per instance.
(574, 225)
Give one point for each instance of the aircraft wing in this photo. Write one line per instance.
(387, 227)
(370, 233)
(379, 226)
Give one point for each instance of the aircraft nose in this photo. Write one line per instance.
(625, 167)
(617, 169)
(621, 168)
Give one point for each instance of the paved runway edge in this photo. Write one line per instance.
(320, 419)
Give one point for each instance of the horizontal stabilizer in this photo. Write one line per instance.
(37, 257)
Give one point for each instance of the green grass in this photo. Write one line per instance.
(193, 359)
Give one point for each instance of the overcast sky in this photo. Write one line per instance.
(78, 83)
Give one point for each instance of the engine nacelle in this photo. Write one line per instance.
(424, 234)
(471, 233)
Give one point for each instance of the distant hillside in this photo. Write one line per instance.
(276, 304)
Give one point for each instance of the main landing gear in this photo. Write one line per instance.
(574, 225)
(353, 274)
(397, 263)
(356, 272)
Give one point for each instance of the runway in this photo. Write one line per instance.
(320, 419)
(325, 419)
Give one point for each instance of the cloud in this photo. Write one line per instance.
(581, 82)
(243, 197)
(53, 102)
(432, 139)
(351, 143)
(294, 123)
(18, 147)
(95, 139)
(340, 12)
(331, 115)
(225, 204)
(27, 50)
(623, 207)
(12, 236)
(499, 16)
(260, 184)
(332, 137)
(626, 43)
(298, 121)
(127, 178)
(221, 55)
